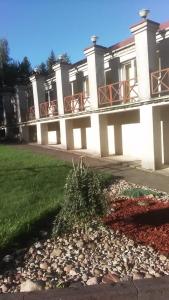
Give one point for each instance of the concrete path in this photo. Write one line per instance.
(121, 169)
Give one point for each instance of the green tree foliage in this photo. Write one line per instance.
(24, 69)
(42, 69)
(51, 61)
(12, 72)
(4, 52)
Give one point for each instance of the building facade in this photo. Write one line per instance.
(113, 102)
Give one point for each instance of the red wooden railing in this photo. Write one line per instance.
(31, 113)
(47, 109)
(160, 82)
(118, 93)
(76, 103)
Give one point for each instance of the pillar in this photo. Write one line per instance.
(99, 134)
(66, 134)
(95, 64)
(63, 85)
(118, 143)
(166, 141)
(38, 92)
(151, 137)
(146, 56)
(42, 133)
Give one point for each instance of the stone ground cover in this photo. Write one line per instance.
(96, 255)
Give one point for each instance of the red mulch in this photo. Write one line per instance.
(145, 224)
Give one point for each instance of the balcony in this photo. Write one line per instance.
(30, 113)
(76, 103)
(121, 92)
(160, 82)
(48, 109)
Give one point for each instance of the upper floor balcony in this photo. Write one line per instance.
(76, 103)
(48, 109)
(121, 92)
(160, 82)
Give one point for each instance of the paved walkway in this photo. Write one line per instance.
(157, 180)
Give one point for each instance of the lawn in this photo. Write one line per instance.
(31, 191)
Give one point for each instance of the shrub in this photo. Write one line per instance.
(138, 192)
(84, 199)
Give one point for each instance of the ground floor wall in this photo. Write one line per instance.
(141, 133)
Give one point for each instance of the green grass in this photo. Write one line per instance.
(31, 190)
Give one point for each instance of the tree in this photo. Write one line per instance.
(4, 52)
(42, 69)
(25, 66)
(51, 61)
(66, 57)
(4, 59)
(24, 70)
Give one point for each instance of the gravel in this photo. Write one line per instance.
(84, 257)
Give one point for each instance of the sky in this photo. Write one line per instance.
(35, 27)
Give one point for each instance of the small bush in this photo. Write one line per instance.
(84, 199)
(138, 192)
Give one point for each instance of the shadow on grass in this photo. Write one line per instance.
(33, 169)
(26, 236)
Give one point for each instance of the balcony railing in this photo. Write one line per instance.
(76, 103)
(160, 82)
(31, 113)
(47, 109)
(118, 93)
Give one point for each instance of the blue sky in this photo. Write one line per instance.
(34, 27)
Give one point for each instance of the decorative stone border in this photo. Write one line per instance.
(146, 289)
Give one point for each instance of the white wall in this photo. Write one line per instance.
(77, 138)
(132, 140)
(52, 138)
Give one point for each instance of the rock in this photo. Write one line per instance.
(97, 272)
(8, 258)
(162, 258)
(72, 273)
(4, 288)
(92, 281)
(43, 266)
(30, 286)
(110, 278)
(67, 268)
(80, 244)
(38, 245)
(56, 252)
(81, 257)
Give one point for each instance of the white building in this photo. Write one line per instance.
(115, 101)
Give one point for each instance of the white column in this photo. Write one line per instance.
(38, 92)
(99, 134)
(42, 133)
(166, 141)
(146, 56)
(95, 63)
(62, 84)
(118, 144)
(151, 137)
(66, 134)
